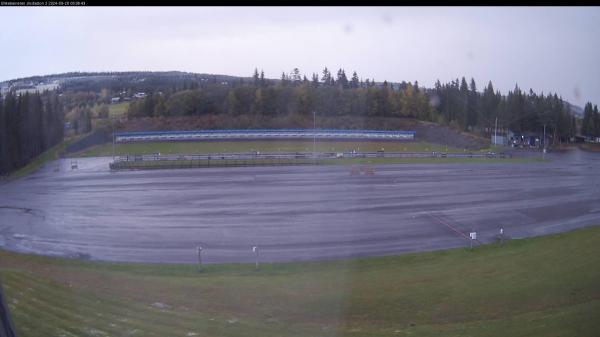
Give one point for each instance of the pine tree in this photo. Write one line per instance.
(326, 78)
(342, 80)
(11, 118)
(284, 79)
(472, 102)
(596, 120)
(315, 80)
(588, 127)
(354, 82)
(256, 77)
(489, 106)
(463, 104)
(262, 79)
(296, 78)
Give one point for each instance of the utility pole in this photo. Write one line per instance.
(496, 131)
(113, 137)
(544, 150)
(315, 135)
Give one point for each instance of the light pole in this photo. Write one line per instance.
(544, 141)
(496, 131)
(314, 135)
(113, 137)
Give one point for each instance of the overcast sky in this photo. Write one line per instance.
(553, 49)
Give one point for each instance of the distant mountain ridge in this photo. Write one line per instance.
(139, 76)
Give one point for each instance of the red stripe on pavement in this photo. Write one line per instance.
(452, 227)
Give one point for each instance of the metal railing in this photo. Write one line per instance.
(256, 158)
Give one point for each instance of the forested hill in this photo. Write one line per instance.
(459, 103)
(119, 81)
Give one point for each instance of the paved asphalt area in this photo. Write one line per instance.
(291, 213)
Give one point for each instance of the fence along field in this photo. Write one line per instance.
(256, 158)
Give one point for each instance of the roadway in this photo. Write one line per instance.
(291, 213)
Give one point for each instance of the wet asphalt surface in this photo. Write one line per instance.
(291, 213)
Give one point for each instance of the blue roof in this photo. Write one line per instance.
(156, 133)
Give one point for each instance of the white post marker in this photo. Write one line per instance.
(199, 249)
(473, 236)
(255, 250)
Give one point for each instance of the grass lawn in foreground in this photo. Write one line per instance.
(262, 146)
(546, 286)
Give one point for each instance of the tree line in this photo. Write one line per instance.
(521, 112)
(590, 125)
(29, 125)
(457, 103)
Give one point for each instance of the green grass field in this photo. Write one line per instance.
(262, 146)
(117, 110)
(546, 286)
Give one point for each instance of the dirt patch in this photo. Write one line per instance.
(591, 147)
(433, 133)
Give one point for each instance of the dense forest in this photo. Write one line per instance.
(29, 125)
(458, 103)
(590, 125)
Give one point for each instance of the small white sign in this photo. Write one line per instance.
(473, 235)
(254, 249)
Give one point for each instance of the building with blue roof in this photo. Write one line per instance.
(264, 134)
